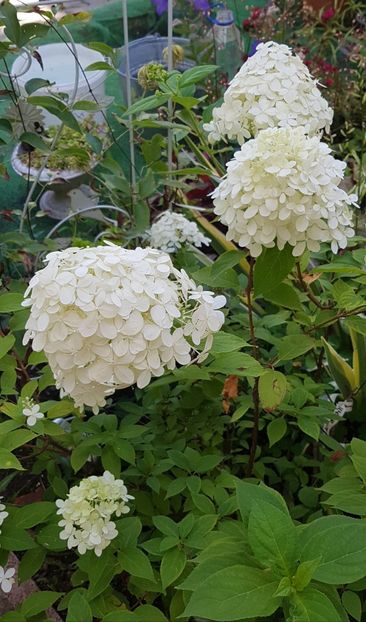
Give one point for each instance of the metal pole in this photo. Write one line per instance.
(129, 97)
(170, 67)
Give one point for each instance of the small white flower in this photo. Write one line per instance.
(108, 318)
(87, 511)
(3, 513)
(6, 579)
(283, 188)
(272, 89)
(31, 411)
(171, 231)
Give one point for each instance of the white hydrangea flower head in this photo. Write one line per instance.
(171, 231)
(7, 579)
(108, 318)
(273, 88)
(3, 512)
(281, 188)
(31, 411)
(87, 512)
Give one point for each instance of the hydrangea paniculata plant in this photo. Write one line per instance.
(171, 231)
(283, 187)
(272, 89)
(87, 512)
(108, 318)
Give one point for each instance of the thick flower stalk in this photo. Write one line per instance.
(87, 512)
(108, 318)
(171, 231)
(272, 89)
(283, 187)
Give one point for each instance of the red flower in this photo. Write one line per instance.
(247, 23)
(329, 82)
(328, 14)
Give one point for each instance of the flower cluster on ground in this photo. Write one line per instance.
(272, 89)
(107, 318)
(87, 511)
(171, 231)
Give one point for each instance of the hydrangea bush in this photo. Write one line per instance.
(182, 435)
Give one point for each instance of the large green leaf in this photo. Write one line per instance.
(249, 494)
(314, 606)
(272, 537)
(79, 609)
(340, 542)
(235, 593)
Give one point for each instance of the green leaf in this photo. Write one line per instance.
(124, 449)
(352, 604)
(15, 439)
(284, 296)
(166, 525)
(30, 515)
(304, 573)
(79, 609)
(30, 563)
(99, 66)
(272, 537)
(147, 103)
(236, 363)
(36, 83)
(11, 302)
(340, 542)
(136, 563)
(38, 602)
(293, 346)
(271, 267)
(227, 260)
(12, 25)
(172, 566)
(101, 574)
(314, 606)
(248, 494)
(9, 461)
(6, 344)
(142, 215)
(272, 389)
(276, 430)
(226, 342)
(340, 370)
(309, 426)
(235, 593)
(196, 74)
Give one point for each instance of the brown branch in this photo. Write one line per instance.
(308, 291)
(255, 353)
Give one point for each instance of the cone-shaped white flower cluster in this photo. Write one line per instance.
(107, 318)
(282, 187)
(272, 89)
(87, 512)
(171, 231)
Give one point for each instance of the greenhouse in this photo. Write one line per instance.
(183, 311)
